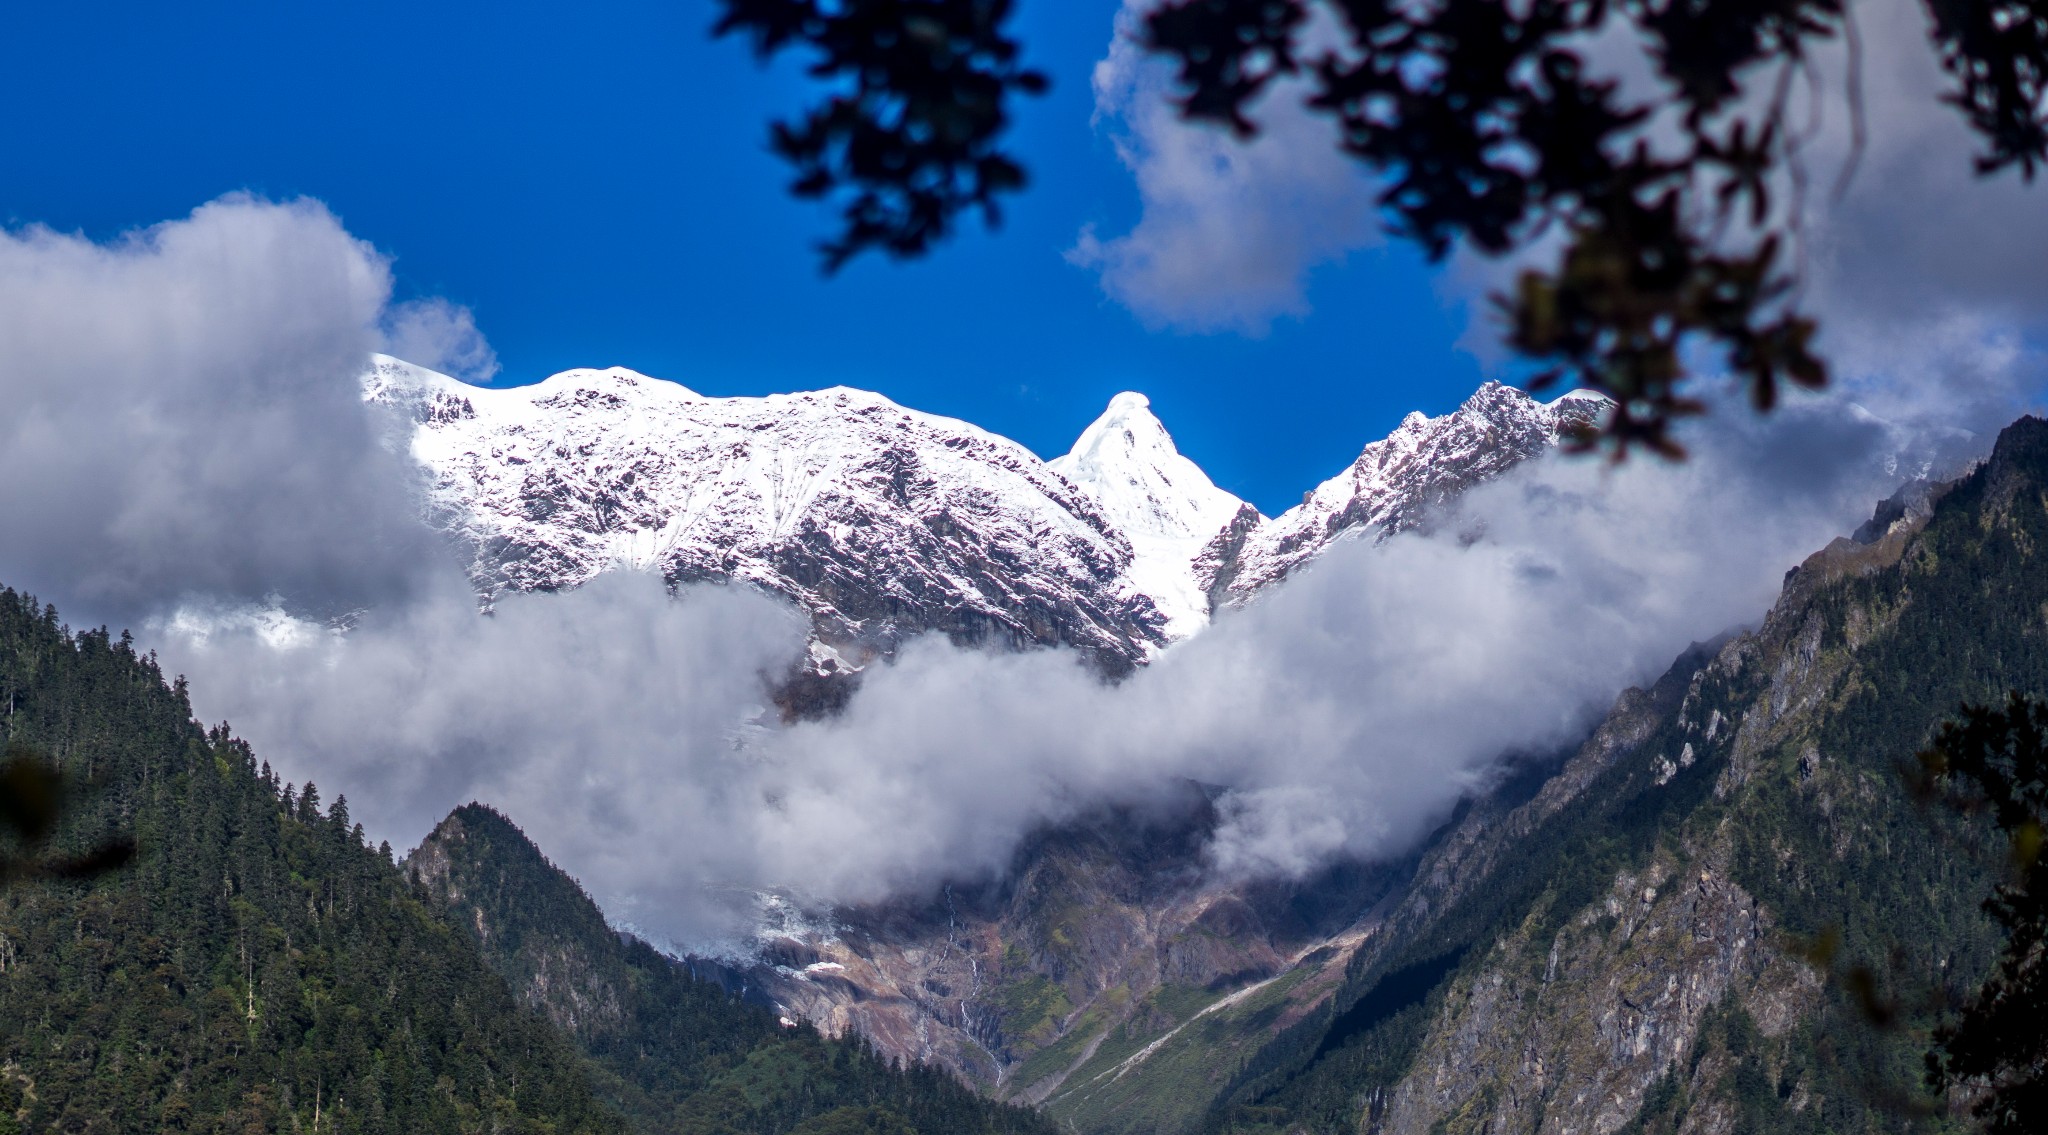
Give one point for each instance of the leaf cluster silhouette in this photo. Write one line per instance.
(911, 135)
(1484, 125)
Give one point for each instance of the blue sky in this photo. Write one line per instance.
(591, 181)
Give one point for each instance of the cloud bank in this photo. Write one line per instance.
(189, 413)
(179, 420)
(1345, 712)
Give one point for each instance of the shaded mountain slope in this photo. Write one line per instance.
(259, 969)
(1610, 944)
(678, 1054)
(1623, 951)
(1106, 934)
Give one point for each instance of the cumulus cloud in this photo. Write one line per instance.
(182, 417)
(608, 721)
(1228, 230)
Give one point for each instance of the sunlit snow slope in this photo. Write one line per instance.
(881, 521)
(1424, 464)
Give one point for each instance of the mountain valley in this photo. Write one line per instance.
(1616, 936)
(1613, 942)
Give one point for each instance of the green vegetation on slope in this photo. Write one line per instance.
(677, 1054)
(257, 968)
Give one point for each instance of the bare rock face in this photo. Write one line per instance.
(1625, 988)
(1107, 934)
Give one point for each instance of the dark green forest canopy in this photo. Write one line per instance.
(259, 966)
(1483, 123)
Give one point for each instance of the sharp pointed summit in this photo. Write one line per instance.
(1161, 501)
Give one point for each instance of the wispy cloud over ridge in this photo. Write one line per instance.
(1345, 712)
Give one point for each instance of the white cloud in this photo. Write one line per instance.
(1229, 230)
(1345, 713)
(182, 417)
(605, 721)
(186, 403)
(440, 336)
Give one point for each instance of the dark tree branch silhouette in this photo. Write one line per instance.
(911, 133)
(1484, 125)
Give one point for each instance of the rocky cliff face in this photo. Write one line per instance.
(1623, 951)
(1106, 936)
(1614, 944)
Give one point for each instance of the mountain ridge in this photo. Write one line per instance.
(884, 522)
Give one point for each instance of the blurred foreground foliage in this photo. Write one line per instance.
(1484, 123)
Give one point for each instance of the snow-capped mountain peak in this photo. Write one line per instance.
(885, 523)
(1398, 480)
(1161, 501)
(881, 521)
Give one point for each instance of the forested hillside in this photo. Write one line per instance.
(257, 968)
(676, 1053)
